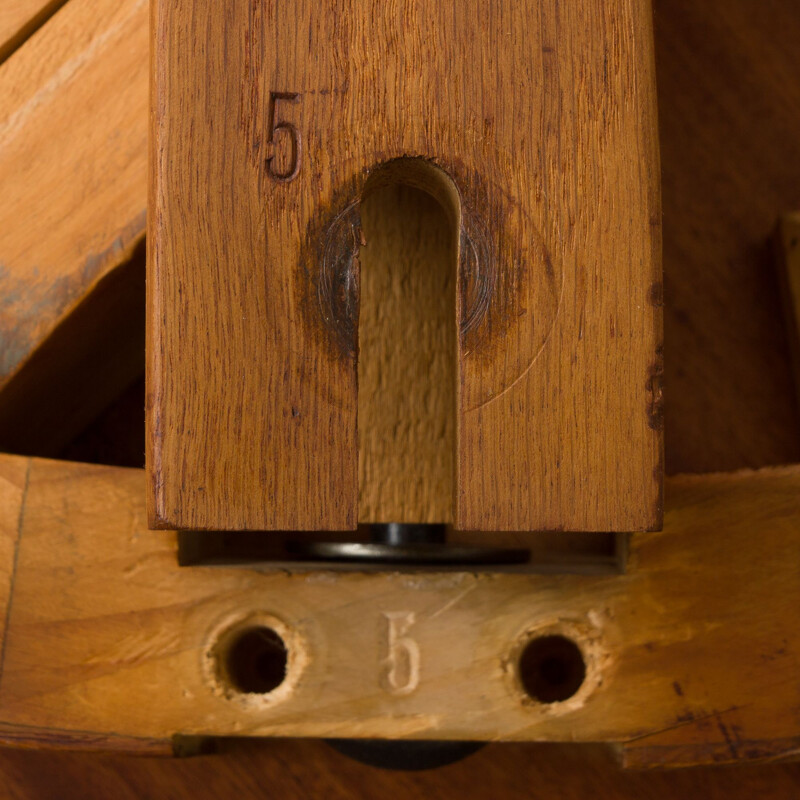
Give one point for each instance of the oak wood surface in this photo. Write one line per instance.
(73, 110)
(544, 120)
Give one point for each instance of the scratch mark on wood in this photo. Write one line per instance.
(448, 605)
(688, 719)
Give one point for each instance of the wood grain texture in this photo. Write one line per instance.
(406, 368)
(547, 132)
(729, 110)
(107, 635)
(20, 18)
(730, 404)
(730, 57)
(95, 351)
(73, 128)
(299, 770)
(13, 485)
(54, 739)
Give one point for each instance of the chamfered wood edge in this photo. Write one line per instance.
(656, 377)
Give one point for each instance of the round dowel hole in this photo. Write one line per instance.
(551, 668)
(255, 660)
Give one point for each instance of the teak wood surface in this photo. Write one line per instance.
(534, 126)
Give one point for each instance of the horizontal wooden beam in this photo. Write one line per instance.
(693, 648)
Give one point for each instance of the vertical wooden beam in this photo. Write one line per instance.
(534, 127)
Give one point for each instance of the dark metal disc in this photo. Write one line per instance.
(404, 755)
(409, 554)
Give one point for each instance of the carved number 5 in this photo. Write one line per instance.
(402, 663)
(294, 135)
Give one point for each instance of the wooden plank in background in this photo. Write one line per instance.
(73, 133)
(254, 273)
(729, 111)
(107, 634)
